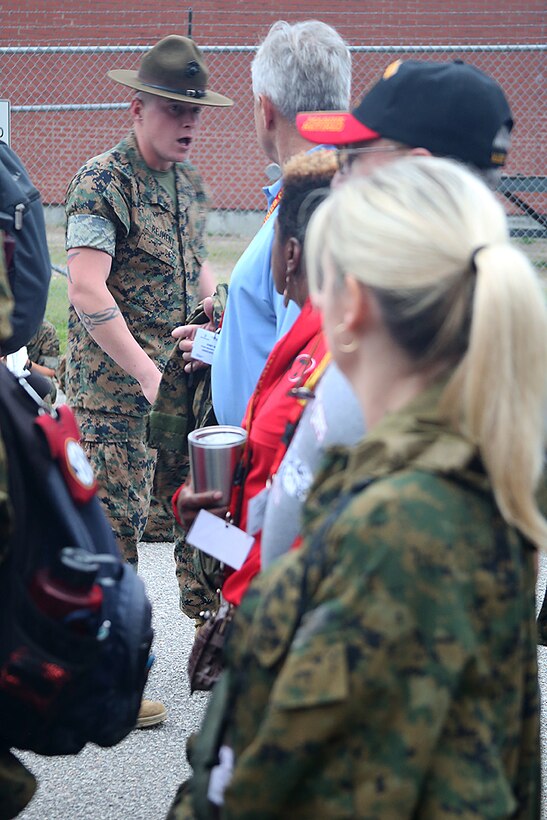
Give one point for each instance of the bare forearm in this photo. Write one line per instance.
(43, 370)
(207, 280)
(103, 320)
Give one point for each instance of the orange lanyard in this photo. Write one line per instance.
(276, 200)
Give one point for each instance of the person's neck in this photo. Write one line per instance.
(288, 142)
(302, 291)
(150, 157)
(385, 381)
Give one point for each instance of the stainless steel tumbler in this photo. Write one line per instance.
(214, 454)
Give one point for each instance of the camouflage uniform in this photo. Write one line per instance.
(183, 404)
(154, 279)
(43, 349)
(17, 784)
(6, 305)
(6, 301)
(387, 670)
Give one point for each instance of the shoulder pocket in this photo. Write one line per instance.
(316, 678)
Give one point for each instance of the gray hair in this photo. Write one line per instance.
(303, 67)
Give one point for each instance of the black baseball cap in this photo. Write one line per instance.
(452, 109)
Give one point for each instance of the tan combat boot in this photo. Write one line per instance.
(151, 713)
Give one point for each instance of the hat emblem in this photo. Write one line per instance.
(392, 69)
(192, 69)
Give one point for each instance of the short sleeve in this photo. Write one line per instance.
(88, 231)
(100, 192)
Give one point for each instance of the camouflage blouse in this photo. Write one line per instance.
(6, 305)
(388, 670)
(43, 348)
(17, 784)
(157, 255)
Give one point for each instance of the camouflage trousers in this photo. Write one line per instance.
(197, 588)
(124, 467)
(199, 577)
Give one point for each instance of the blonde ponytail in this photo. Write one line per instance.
(432, 242)
(500, 385)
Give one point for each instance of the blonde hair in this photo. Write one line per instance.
(432, 242)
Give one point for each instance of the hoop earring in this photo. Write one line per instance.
(344, 347)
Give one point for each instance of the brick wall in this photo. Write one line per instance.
(54, 145)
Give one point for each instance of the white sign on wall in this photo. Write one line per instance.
(5, 116)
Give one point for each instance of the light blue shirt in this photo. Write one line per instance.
(254, 320)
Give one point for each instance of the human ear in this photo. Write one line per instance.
(267, 111)
(293, 255)
(360, 307)
(136, 107)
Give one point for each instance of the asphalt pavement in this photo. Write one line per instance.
(137, 779)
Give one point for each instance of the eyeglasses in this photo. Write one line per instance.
(347, 156)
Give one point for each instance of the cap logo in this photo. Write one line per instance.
(192, 69)
(392, 69)
(498, 157)
(331, 124)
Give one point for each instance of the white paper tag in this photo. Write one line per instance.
(256, 510)
(221, 776)
(16, 361)
(218, 538)
(204, 345)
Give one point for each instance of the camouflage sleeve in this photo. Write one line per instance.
(6, 301)
(91, 231)
(369, 677)
(5, 506)
(43, 348)
(98, 192)
(220, 297)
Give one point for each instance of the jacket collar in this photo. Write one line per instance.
(416, 437)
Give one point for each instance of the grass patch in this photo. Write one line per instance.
(57, 307)
(56, 245)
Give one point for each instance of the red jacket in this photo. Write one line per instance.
(296, 360)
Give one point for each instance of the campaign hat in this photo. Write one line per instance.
(173, 68)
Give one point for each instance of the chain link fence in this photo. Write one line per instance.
(54, 61)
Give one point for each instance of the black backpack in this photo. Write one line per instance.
(29, 267)
(76, 680)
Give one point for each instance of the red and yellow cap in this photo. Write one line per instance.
(451, 109)
(333, 127)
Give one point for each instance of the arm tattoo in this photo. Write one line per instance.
(69, 259)
(93, 320)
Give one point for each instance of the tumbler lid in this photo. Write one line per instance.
(219, 435)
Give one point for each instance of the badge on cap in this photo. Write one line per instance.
(192, 69)
(331, 123)
(392, 69)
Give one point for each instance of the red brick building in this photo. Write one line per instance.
(499, 37)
